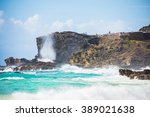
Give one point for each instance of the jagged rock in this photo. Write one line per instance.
(15, 61)
(127, 50)
(142, 75)
(68, 43)
(24, 64)
(35, 66)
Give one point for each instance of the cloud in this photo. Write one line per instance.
(2, 21)
(101, 26)
(34, 24)
(60, 25)
(31, 24)
(91, 27)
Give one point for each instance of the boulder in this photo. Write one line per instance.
(24, 64)
(142, 75)
(16, 61)
(35, 66)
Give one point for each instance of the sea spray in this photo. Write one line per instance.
(47, 51)
(72, 82)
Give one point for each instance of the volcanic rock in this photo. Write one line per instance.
(35, 66)
(16, 61)
(142, 75)
(126, 50)
(123, 49)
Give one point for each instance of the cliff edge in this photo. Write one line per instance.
(124, 49)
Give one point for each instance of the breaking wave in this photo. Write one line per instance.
(102, 92)
(72, 82)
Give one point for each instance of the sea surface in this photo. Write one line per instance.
(70, 82)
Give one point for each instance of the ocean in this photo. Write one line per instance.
(70, 83)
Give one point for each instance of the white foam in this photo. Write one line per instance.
(109, 70)
(8, 69)
(102, 91)
(45, 60)
(29, 72)
(47, 52)
(12, 78)
(108, 86)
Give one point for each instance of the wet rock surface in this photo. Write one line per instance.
(16, 61)
(24, 64)
(142, 75)
(35, 66)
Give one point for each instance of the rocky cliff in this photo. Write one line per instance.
(126, 50)
(68, 43)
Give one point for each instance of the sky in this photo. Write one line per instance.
(21, 21)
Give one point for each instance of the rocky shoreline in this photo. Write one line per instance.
(126, 50)
(142, 75)
(24, 64)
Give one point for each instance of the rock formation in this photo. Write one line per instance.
(35, 66)
(68, 43)
(24, 64)
(142, 75)
(126, 50)
(15, 61)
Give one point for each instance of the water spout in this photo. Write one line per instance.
(47, 51)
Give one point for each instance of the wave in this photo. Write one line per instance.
(72, 82)
(12, 78)
(8, 69)
(97, 92)
(113, 70)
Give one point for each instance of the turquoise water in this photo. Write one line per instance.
(71, 82)
(28, 81)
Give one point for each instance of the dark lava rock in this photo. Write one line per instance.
(142, 75)
(35, 66)
(16, 61)
(24, 64)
